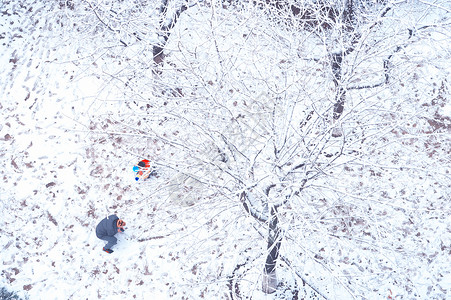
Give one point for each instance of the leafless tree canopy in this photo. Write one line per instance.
(320, 126)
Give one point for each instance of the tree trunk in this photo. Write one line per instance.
(336, 60)
(269, 284)
(340, 95)
(166, 26)
(336, 63)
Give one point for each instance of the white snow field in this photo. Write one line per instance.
(78, 109)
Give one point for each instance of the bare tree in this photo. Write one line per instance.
(242, 112)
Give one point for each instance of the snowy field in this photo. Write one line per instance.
(56, 185)
(60, 176)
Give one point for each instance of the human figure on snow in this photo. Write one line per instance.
(143, 170)
(106, 230)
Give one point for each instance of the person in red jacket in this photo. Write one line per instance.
(143, 170)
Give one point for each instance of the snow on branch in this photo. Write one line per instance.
(386, 62)
(258, 215)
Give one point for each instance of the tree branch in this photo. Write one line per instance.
(259, 216)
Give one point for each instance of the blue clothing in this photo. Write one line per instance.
(111, 241)
(106, 230)
(107, 227)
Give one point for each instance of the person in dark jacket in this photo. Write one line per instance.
(106, 230)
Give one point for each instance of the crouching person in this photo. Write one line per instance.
(106, 230)
(143, 170)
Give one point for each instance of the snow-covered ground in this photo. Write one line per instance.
(56, 185)
(60, 177)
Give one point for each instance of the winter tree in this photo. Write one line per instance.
(309, 138)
